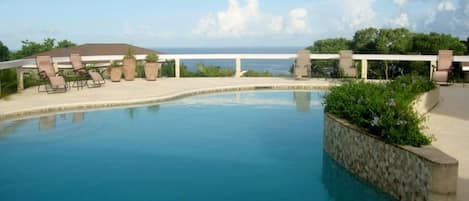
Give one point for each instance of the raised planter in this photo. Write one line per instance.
(130, 64)
(427, 101)
(406, 173)
(151, 70)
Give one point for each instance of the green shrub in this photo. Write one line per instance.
(151, 58)
(8, 82)
(213, 71)
(384, 109)
(253, 73)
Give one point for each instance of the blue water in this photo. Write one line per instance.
(264, 145)
(275, 66)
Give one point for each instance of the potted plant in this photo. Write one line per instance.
(151, 67)
(115, 71)
(129, 65)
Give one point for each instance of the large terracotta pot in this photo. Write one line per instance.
(151, 70)
(129, 68)
(116, 74)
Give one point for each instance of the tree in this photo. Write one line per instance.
(65, 44)
(365, 40)
(393, 41)
(433, 42)
(4, 52)
(30, 48)
(331, 45)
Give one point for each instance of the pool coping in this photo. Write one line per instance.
(96, 105)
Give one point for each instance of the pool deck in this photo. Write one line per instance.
(448, 122)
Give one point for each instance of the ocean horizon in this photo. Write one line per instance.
(275, 66)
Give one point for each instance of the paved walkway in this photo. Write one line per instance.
(449, 123)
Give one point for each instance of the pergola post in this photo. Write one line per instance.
(177, 67)
(432, 65)
(238, 68)
(364, 69)
(19, 79)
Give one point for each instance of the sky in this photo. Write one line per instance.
(222, 23)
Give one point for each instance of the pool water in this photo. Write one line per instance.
(262, 145)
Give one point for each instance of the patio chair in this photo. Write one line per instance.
(443, 71)
(302, 67)
(53, 81)
(85, 74)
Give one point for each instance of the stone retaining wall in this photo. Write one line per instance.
(406, 173)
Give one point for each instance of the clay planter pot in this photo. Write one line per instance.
(116, 74)
(129, 69)
(151, 70)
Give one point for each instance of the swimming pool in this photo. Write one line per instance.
(254, 145)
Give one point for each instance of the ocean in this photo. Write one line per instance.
(275, 66)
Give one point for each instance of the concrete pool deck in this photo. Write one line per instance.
(448, 122)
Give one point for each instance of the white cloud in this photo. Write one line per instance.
(400, 3)
(446, 5)
(400, 21)
(297, 23)
(358, 14)
(248, 20)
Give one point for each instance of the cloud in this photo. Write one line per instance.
(358, 14)
(297, 22)
(248, 20)
(400, 21)
(400, 3)
(446, 5)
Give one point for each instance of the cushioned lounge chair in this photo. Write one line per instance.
(82, 72)
(302, 66)
(443, 71)
(53, 81)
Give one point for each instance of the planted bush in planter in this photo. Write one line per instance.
(385, 110)
(129, 65)
(151, 67)
(115, 71)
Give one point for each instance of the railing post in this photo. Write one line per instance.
(177, 67)
(432, 64)
(19, 79)
(364, 69)
(238, 68)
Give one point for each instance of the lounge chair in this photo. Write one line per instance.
(82, 72)
(443, 71)
(54, 81)
(302, 66)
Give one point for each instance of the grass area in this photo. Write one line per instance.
(384, 109)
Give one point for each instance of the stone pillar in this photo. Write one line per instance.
(19, 78)
(238, 68)
(364, 69)
(177, 68)
(346, 65)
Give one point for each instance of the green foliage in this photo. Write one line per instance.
(365, 40)
(384, 109)
(331, 45)
(8, 82)
(431, 43)
(4, 52)
(167, 69)
(213, 71)
(65, 44)
(151, 58)
(115, 64)
(140, 69)
(253, 73)
(129, 54)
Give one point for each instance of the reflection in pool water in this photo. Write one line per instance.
(263, 145)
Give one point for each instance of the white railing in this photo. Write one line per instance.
(364, 58)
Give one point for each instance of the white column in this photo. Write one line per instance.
(432, 64)
(364, 69)
(238, 68)
(177, 67)
(19, 78)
